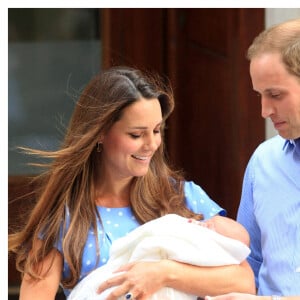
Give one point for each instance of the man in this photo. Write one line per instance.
(270, 202)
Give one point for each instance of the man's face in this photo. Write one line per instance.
(280, 93)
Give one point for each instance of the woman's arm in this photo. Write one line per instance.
(142, 279)
(43, 289)
(203, 281)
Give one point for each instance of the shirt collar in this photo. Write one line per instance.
(292, 144)
(288, 144)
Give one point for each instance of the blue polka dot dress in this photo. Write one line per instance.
(117, 222)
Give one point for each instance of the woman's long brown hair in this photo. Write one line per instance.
(69, 182)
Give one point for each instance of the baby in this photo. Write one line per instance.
(219, 241)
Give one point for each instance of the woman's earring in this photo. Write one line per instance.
(99, 147)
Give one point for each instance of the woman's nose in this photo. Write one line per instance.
(152, 142)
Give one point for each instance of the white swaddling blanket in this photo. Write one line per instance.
(169, 237)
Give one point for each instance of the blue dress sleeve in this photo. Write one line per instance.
(199, 202)
(58, 243)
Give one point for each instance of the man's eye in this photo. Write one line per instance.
(276, 96)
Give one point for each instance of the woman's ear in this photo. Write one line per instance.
(100, 139)
(99, 147)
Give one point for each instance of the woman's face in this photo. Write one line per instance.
(132, 141)
(280, 93)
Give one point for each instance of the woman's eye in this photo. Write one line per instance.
(156, 131)
(134, 135)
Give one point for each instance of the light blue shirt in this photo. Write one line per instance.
(270, 211)
(117, 222)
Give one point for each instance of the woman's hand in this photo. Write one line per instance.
(140, 279)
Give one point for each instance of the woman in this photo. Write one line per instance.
(109, 177)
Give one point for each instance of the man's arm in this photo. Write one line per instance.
(239, 296)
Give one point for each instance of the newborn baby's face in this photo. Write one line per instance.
(208, 224)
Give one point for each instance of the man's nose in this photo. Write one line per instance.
(267, 108)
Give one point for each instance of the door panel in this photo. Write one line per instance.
(217, 119)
